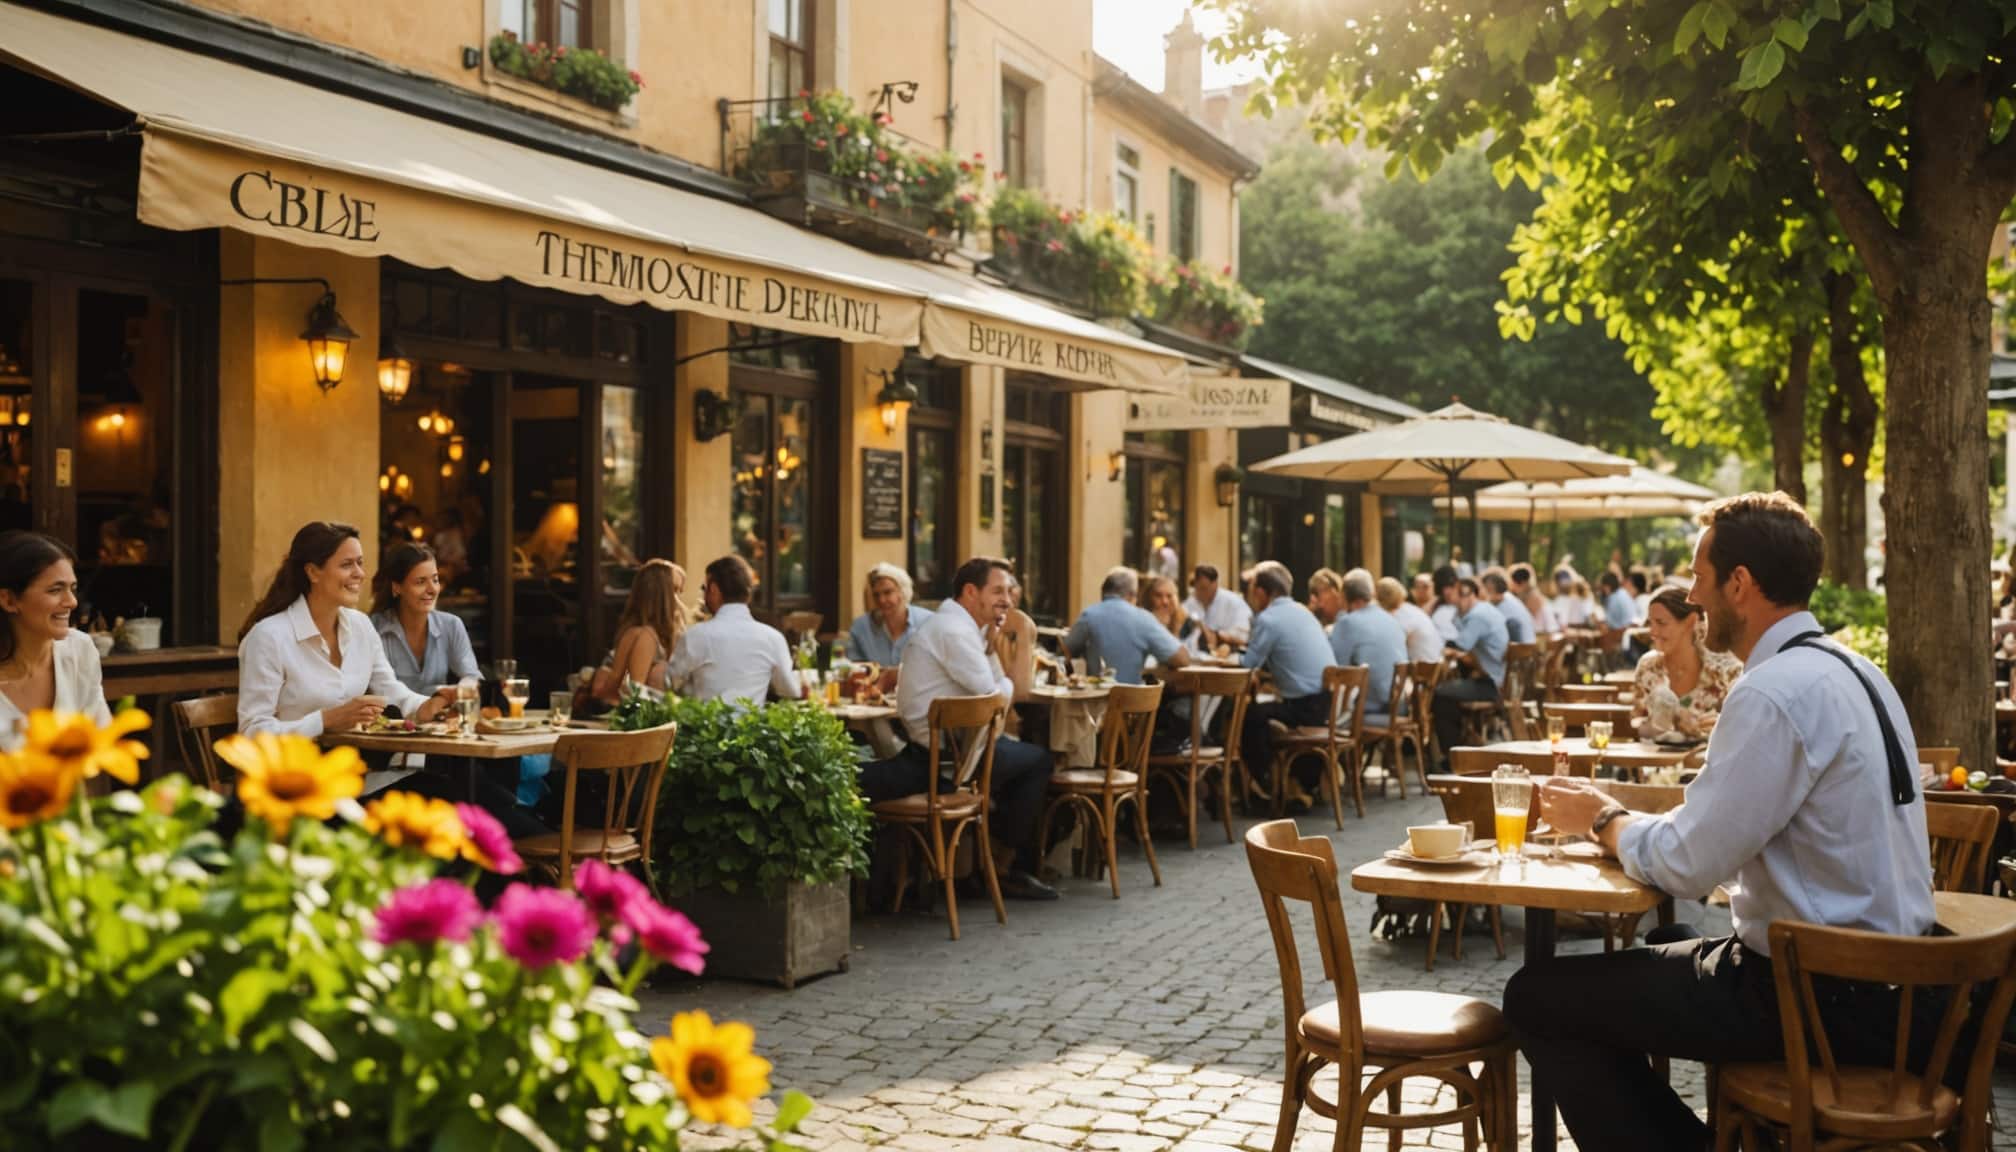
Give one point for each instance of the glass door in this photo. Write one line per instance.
(782, 514)
(548, 569)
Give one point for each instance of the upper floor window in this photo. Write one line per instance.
(1127, 181)
(790, 48)
(1015, 131)
(1184, 217)
(564, 23)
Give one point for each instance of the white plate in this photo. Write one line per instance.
(1469, 859)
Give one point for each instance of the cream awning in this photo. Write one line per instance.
(227, 146)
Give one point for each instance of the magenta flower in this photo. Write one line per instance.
(428, 913)
(486, 843)
(608, 892)
(540, 927)
(667, 934)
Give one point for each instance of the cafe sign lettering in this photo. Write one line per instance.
(1039, 352)
(1321, 409)
(1213, 402)
(261, 197)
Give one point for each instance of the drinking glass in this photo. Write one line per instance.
(506, 669)
(1511, 800)
(562, 704)
(1557, 729)
(517, 690)
(468, 704)
(1599, 739)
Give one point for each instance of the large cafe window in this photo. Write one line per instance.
(790, 25)
(782, 486)
(1015, 132)
(1153, 535)
(1033, 496)
(517, 455)
(934, 478)
(563, 23)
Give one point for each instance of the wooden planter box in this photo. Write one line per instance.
(796, 184)
(804, 932)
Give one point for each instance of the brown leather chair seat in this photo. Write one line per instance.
(917, 806)
(1766, 1089)
(1092, 779)
(1208, 752)
(1411, 1023)
(613, 848)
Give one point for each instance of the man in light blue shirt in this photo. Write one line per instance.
(1121, 635)
(1809, 800)
(1367, 634)
(1518, 621)
(1480, 648)
(1289, 643)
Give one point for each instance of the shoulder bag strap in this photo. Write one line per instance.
(1903, 787)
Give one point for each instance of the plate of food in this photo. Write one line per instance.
(392, 726)
(512, 724)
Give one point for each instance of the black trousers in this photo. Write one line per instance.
(1450, 695)
(1589, 1023)
(1256, 739)
(1021, 777)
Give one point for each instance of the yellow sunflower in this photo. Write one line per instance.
(281, 777)
(79, 743)
(714, 1069)
(33, 787)
(408, 820)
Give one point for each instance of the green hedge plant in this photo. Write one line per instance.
(754, 797)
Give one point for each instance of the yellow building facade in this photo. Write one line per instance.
(567, 415)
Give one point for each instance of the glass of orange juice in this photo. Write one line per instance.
(1557, 729)
(517, 690)
(1511, 800)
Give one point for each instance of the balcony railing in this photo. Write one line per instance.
(877, 189)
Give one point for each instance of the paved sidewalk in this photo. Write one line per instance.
(1144, 1024)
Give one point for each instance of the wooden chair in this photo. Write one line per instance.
(1586, 693)
(1651, 799)
(624, 833)
(1402, 728)
(1427, 675)
(1828, 1104)
(1522, 668)
(1400, 1035)
(1480, 762)
(1961, 836)
(1469, 798)
(1336, 742)
(1578, 716)
(1554, 653)
(1227, 690)
(1121, 777)
(1942, 759)
(199, 724)
(963, 731)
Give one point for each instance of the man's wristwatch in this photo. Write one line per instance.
(1603, 820)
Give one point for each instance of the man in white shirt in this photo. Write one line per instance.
(733, 655)
(1809, 799)
(1223, 615)
(956, 652)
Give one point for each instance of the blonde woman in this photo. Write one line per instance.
(887, 619)
(1326, 595)
(1160, 598)
(1424, 643)
(647, 634)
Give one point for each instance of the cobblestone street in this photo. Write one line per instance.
(1148, 1023)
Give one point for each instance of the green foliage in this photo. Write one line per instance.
(1838, 606)
(1210, 304)
(754, 798)
(582, 73)
(1871, 642)
(826, 132)
(163, 985)
(1095, 259)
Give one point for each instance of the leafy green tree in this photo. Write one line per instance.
(1902, 110)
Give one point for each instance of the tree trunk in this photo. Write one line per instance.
(1847, 436)
(1785, 410)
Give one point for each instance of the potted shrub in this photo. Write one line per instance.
(312, 980)
(1209, 306)
(760, 828)
(582, 73)
(1096, 261)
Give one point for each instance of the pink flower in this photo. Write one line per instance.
(806, 116)
(667, 934)
(486, 844)
(540, 927)
(608, 892)
(428, 913)
(1055, 246)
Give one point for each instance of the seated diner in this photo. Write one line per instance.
(887, 618)
(45, 662)
(732, 655)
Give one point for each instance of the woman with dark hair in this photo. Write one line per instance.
(1680, 684)
(308, 661)
(44, 662)
(427, 649)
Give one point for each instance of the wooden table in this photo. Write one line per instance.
(1621, 753)
(479, 747)
(1542, 886)
(1053, 692)
(874, 722)
(1971, 913)
(170, 672)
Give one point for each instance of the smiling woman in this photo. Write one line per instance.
(45, 663)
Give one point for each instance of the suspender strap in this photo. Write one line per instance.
(1903, 788)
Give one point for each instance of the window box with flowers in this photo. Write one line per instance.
(817, 161)
(1204, 305)
(581, 73)
(1094, 262)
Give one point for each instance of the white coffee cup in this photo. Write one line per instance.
(1435, 841)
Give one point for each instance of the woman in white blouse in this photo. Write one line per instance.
(44, 662)
(308, 661)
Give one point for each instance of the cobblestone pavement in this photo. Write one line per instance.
(1149, 1023)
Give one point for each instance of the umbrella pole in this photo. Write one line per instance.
(1477, 557)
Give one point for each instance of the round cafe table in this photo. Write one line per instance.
(1634, 754)
(1075, 715)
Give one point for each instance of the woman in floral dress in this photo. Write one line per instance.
(1680, 685)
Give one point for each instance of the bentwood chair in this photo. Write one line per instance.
(199, 724)
(1401, 728)
(1208, 691)
(634, 766)
(1427, 676)
(1819, 1099)
(1522, 667)
(1336, 742)
(1961, 836)
(1468, 798)
(963, 731)
(1577, 716)
(1120, 778)
(1942, 759)
(1460, 1041)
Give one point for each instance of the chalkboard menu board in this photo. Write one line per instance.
(881, 494)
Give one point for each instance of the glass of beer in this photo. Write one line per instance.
(1557, 729)
(1511, 799)
(1599, 739)
(517, 690)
